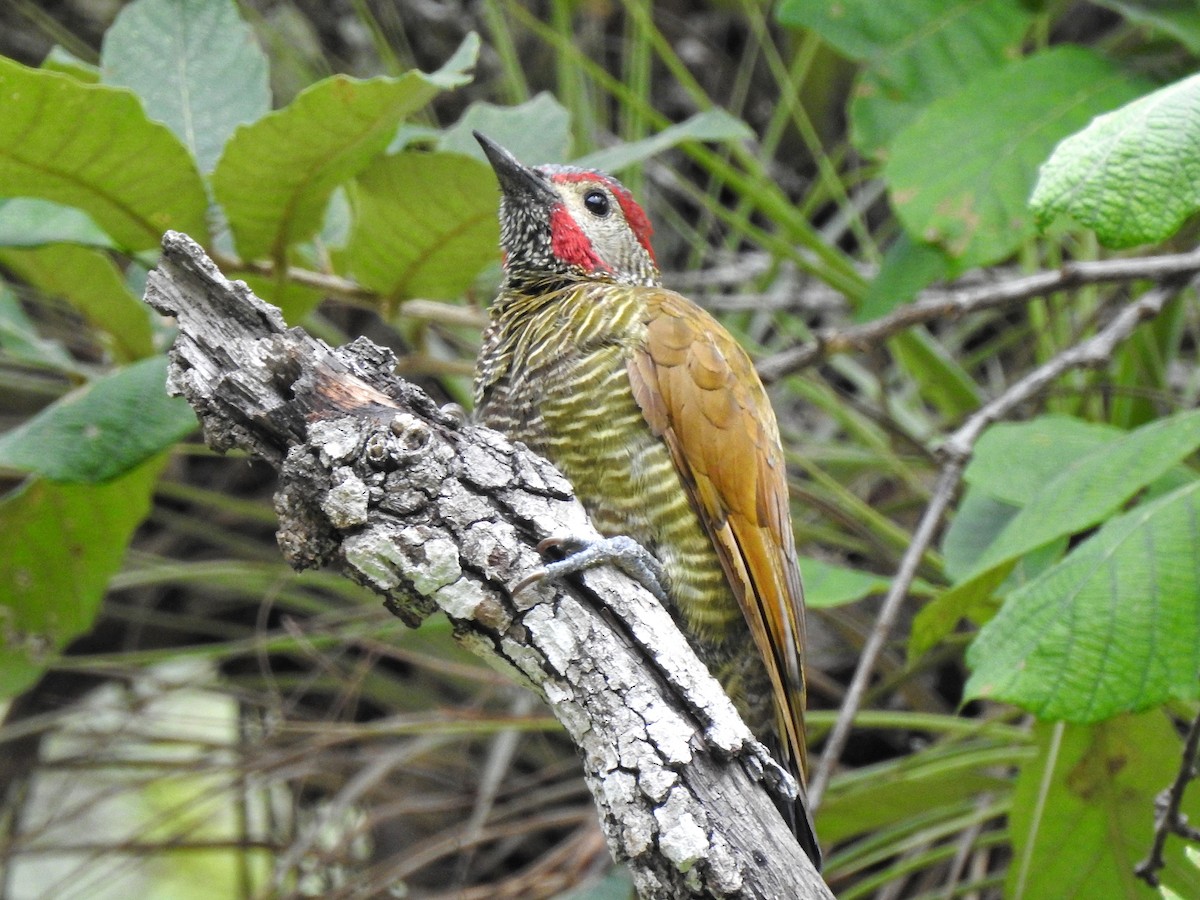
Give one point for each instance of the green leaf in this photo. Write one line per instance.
(826, 584)
(196, 66)
(881, 35)
(1082, 810)
(915, 51)
(1096, 484)
(1013, 461)
(710, 125)
(1031, 486)
(92, 147)
(28, 222)
(972, 599)
(103, 429)
(1132, 176)
(63, 61)
(979, 518)
(940, 379)
(538, 130)
(1112, 628)
(20, 341)
(908, 267)
(276, 175)
(457, 70)
(62, 544)
(931, 782)
(1070, 475)
(970, 196)
(425, 225)
(977, 521)
(89, 281)
(1179, 19)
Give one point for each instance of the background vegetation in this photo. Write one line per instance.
(847, 185)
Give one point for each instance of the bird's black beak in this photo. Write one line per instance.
(516, 180)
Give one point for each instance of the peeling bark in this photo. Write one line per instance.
(436, 514)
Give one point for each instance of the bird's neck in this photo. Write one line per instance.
(532, 332)
(521, 283)
(562, 315)
(539, 282)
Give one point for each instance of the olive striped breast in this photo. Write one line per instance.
(552, 373)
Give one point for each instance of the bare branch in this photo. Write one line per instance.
(435, 514)
(956, 452)
(330, 285)
(1168, 819)
(954, 304)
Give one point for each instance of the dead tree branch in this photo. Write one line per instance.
(947, 305)
(435, 514)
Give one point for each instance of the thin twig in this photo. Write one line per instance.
(331, 285)
(495, 769)
(287, 863)
(947, 482)
(956, 452)
(1167, 817)
(443, 313)
(953, 304)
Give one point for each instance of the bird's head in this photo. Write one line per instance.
(562, 222)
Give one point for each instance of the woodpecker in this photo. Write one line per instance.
(656, 415)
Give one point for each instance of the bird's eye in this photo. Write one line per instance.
(596, 203)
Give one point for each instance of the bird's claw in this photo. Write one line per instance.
(453, 412)
(568, 543)
(776, 776)
(621, 552)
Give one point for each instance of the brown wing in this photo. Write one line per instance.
(698, 389)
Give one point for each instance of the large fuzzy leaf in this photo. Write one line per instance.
(425, 225)
(1133, 175)
(196, 66)
(103, 429)
(961, 172)
(276, 175)
(62, 543)
(914, 52)
(1112, 628)
(1082, 811)
(93, 147)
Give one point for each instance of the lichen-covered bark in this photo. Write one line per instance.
(438, 515)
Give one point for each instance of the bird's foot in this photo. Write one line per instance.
(454, 413)
(763, 766)
(622, 552)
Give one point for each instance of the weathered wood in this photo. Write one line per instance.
(436, 514)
